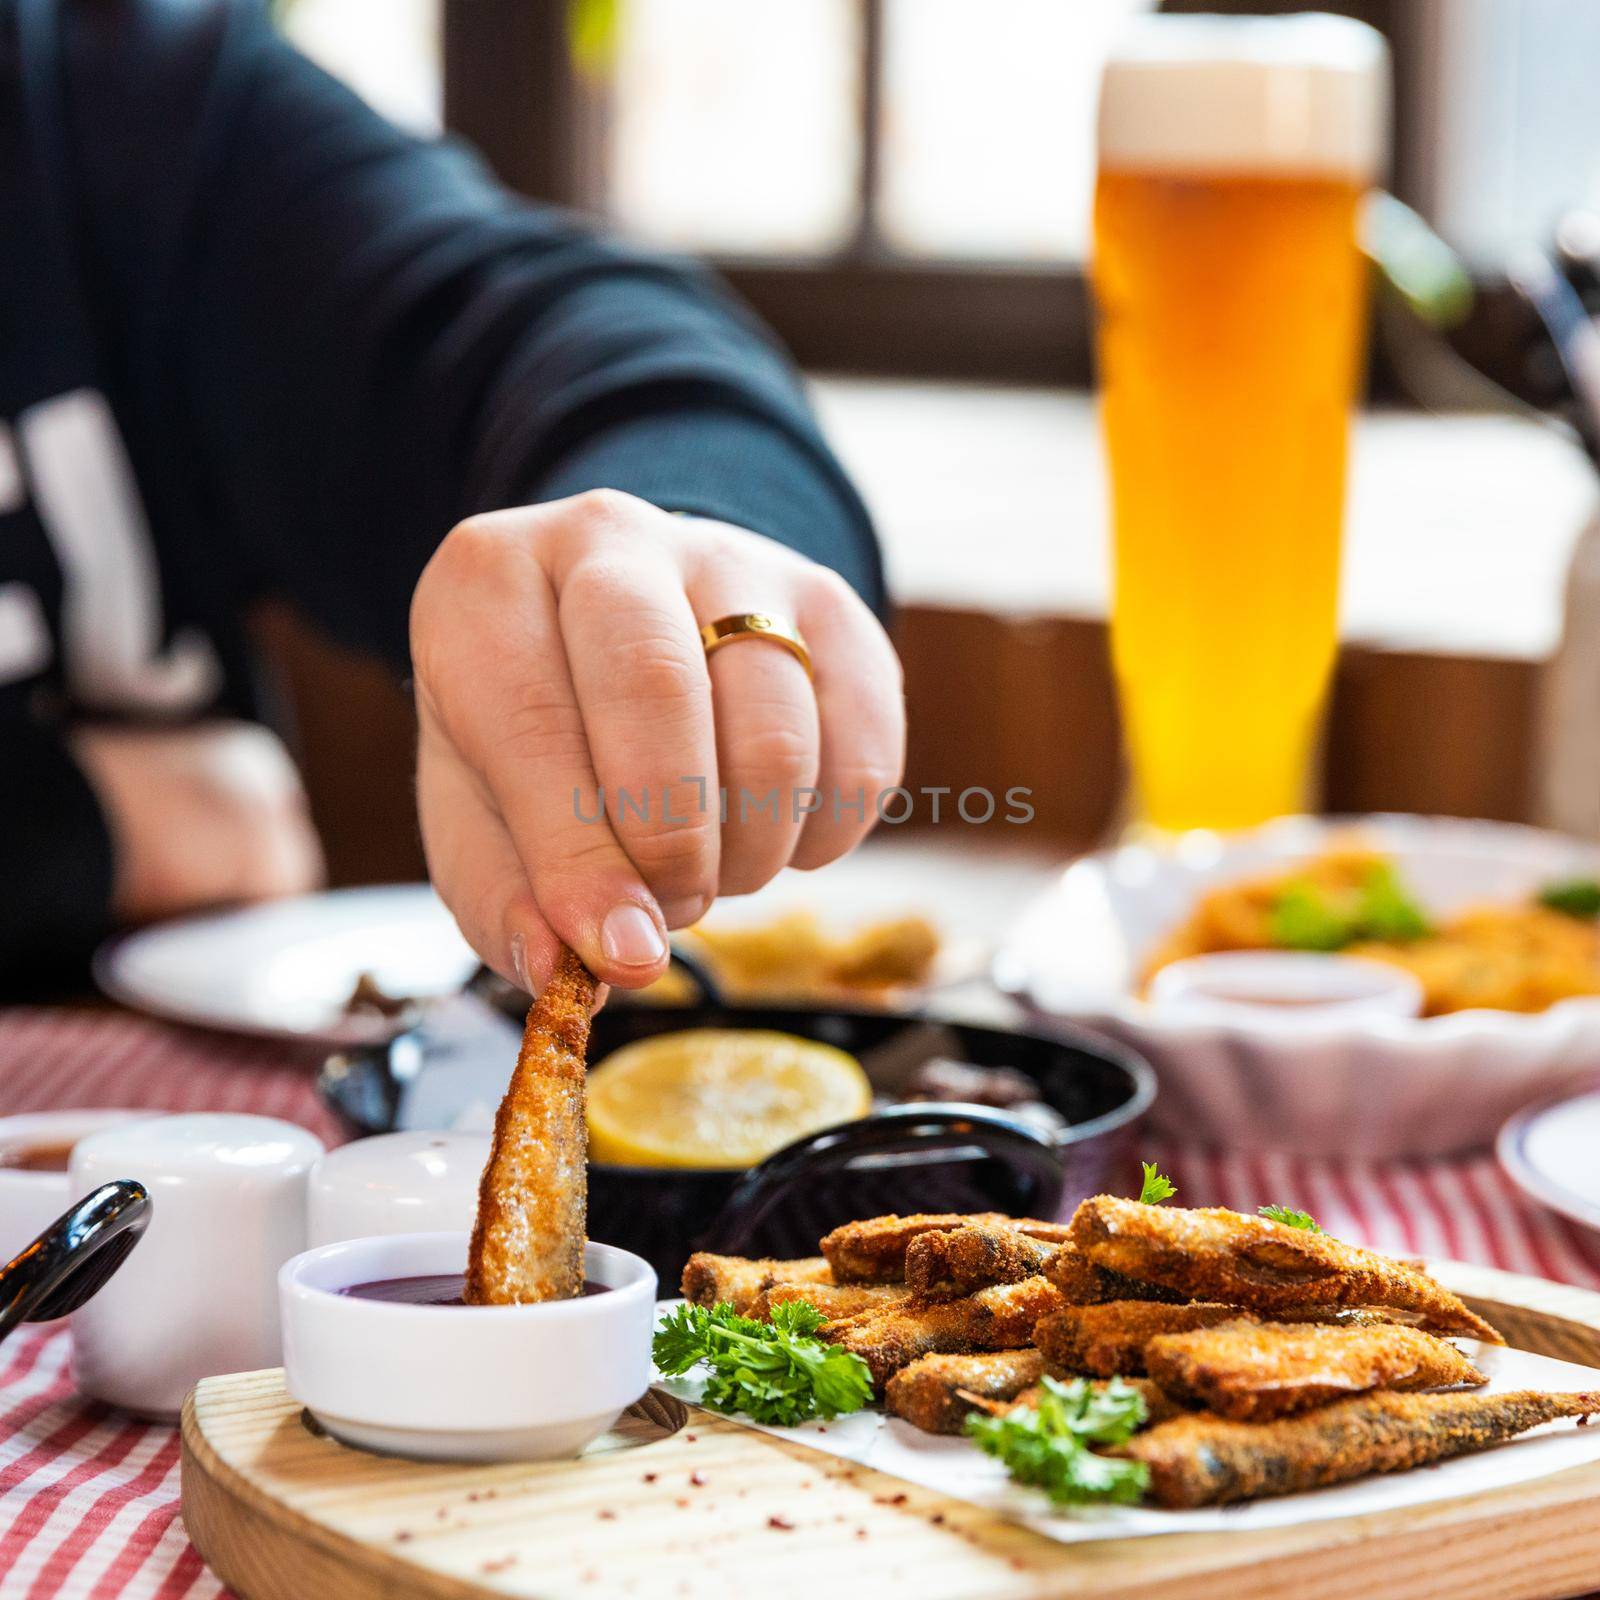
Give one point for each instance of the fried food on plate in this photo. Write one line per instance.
(948, 1265)
(528, 1239)
(1158, 1404)
(710, 1280)
(833, 1300)
(1251, 1371)
(1108, 1341)
(999, 1318)
(1202, 1460)
(938, 1393)
(874, 1250)
(794, 956)
(1222, 1255)
(1083, 1284)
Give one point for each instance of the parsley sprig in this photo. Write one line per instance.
(1157, 1185)
(773, 1372)
(1290, 1218)
(1577, 897)
(1306, 916)
(1047, 1446)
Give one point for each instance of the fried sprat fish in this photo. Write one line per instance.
(946, 1265)
(1202, 1460)
(528, 1239)
(1108, 1341)
(874, 1251)
(1082, 1283)
(999, 1318)
(938, 1393)
(833, 1300)
(1251, 1371)
(1263, 1265)
(710, 1280)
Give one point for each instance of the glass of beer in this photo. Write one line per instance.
(1234, 153)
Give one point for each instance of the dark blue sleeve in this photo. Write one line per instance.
(358, 337)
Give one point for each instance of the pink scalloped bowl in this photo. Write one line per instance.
(1309, 1084)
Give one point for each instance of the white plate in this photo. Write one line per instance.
(285, 970)
(1378, 1087)
(1548, 1151)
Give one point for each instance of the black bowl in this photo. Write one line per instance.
(905, 1158)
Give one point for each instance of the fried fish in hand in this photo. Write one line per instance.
(1108, 1341)
(1254, 1262)
(1201, 1460)
(833, 1300)
(529, 1236)
(874, 1251)
(999, 1318)
(1251, 1371)
(710, 1280)
(945, 1265)
(938, 1393)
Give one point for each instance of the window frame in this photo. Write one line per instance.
(510, 87)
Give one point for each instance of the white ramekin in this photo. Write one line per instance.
(31, 1201)
(462, 1383)
(1284, 986)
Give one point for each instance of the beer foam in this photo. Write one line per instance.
(1306, 93)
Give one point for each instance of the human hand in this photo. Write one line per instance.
(199, 815)
(557, 655)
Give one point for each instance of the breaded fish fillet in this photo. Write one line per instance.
(874, 1250)
(528, 1239)
(1202, 1460)
(833, 1300)
(945, 1265)
(1108, 1341)
(938, 1393)
(1264, 1265)
(1083, 1284)
(1252, 1371)
(710, 1280)
(1000, 1318)
(1158, 1404)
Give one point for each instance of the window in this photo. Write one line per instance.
(386, 50)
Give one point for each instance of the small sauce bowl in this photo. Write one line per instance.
(462, 1383)
(1283, 986)
(34, 1186)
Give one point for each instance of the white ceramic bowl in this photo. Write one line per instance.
(197, 1295)
(30, 1201)
(1371, 1086)
(1295, 987)
(396, 1183)
(462, 1383)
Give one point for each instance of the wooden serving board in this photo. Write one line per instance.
(679, 1502)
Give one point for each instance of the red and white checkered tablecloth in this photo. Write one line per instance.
(89, 1500)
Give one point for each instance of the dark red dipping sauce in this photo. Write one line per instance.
(429, 1289)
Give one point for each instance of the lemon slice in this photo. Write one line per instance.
(718, 1097)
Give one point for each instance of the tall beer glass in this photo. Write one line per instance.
(1234, 153)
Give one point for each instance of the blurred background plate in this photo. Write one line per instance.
(287, 970)
(1548, 1151)
(1376, 1088)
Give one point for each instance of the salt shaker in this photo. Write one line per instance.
(198, 1295)
(397, 1183)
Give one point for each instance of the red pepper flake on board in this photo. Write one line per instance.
(402, 1535)
(650, 1477)
(606, 1515)
(499, 1564)
(698, 1479)
(782, 1524)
